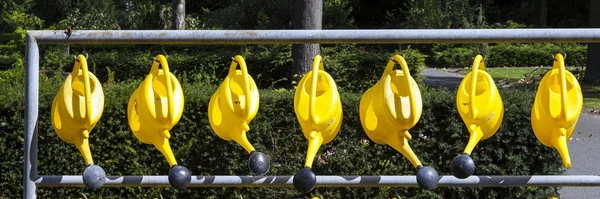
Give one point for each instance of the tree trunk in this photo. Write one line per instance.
(592, 70)
(541, 14)
(308, 14)
(178, 7)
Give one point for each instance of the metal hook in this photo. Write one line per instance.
(164, 52)
(84, 196)
(86, 53)
(562, 50)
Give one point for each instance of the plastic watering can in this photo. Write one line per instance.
(556, 108)
(232, 107)
(153, 109)
(76, 109)
(389, 109)
(319, 111)
(481, 108)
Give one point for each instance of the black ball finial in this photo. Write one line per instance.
(179, 177)
(94, 176)
(305, 180)
(259, 163)
(427, 177)
(462, 166)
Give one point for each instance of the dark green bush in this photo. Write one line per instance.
(437, 138)
(345, 62)
(268, 64)
(452, 56)
(509, 55)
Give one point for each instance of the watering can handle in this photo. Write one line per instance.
(477, 65)
(397, 59)
(240, 60)
(559, 63)
(317, 63)
(81, 63)
(162, 61)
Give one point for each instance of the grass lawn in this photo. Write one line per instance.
(591, 96)
(515, 73)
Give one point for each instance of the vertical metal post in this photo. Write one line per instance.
(32, 72)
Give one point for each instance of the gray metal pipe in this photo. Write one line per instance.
(32, 74)
(330, 181)
(380, 36)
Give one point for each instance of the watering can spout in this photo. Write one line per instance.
(83, 145)
(315, 141)
(400, 143)
(242, 139)
(474, 138)
(561, 145)
(165, 148)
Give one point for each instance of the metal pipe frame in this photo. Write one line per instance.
(31, 179)
(329, 181)
(381, 36)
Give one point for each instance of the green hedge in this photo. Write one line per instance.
(268, 64)
(437, 138)
(508, 55)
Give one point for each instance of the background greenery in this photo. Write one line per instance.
(438, 136)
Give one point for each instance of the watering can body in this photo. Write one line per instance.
(77, 107)
(479, 104)
(392, 107)
(318, 109)
(75, 111)
(148, 108)
(232, 107)
(321, 121)
(153, 109)
(556, 108)
(481, 109)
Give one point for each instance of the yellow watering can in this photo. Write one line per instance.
(76, 109)
(319, 111)
(153, 109)
(389, 109)
(232, 107)
(481, 108)
(556, 108)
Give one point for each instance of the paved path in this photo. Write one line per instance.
(584, 146)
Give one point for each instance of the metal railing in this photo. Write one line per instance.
(31, 179)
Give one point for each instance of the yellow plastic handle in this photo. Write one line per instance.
(559, 63)
(397, 59)
(477, 64)
(239, 60)
(313, 92)
(81, 63)
(162, 61)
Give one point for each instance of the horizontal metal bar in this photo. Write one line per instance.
(330, 181)
(380, 36)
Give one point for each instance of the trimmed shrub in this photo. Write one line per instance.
(509, 55)
(438, 137)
